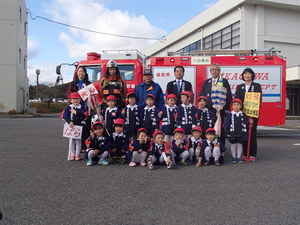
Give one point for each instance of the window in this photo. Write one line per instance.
(20, 15)
(126, 71)
(192, 47)
(25, 28)
(20, 55)
(25, 59)
(226, 38)
(93, 72)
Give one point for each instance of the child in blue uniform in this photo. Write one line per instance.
(179, 147)
(159, 151)
(131, 115)
(139, 147)
(168, 117)
(74, 114)
(98, 145)
(186, 118)
(149, 115)
(120, 142)
(211, 149)
(111, 113)
(236, 130)
(195, 143)
(206, 118)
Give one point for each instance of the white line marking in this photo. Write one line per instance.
(271, 128)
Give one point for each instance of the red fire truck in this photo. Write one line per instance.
(270, 72)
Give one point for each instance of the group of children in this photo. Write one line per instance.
(149, 136)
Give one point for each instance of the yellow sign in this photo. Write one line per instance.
(252, 104)
(200, 60)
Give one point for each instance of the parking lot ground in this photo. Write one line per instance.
(39, 186)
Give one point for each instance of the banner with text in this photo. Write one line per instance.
(269, 77)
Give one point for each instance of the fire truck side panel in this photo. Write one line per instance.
(270, 73)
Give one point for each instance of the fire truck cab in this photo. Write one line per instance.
(130, 64)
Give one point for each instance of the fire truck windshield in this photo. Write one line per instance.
(94, 72)
(127, 71)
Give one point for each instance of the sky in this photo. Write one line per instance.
(50, 44)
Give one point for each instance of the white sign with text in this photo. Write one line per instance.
(269, 77)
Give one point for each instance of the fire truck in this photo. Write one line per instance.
(270, 72)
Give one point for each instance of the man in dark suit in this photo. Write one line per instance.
(178, 85)
(217, 80)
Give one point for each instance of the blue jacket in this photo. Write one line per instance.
(76, 119)
(205, 144)
(143, 89)
(188, 120)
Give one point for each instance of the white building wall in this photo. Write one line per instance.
(14, 83)
(263, 24)
(282, 32)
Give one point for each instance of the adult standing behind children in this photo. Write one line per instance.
(178, 85)
(80, 80)
(149, 87)
(217, 80)
(113, 84)
(248, 76)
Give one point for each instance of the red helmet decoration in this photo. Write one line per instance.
(111, 97)
(179, 129)
(202, 97)
(119, 121)
(236, 100)
(171, 96)
(74, 95)
(187, 93)
(198, 128)
(210, 130)
(142, 130)
(150, 95)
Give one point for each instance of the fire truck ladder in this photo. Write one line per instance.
(233, 52)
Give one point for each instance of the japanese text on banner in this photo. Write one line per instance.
(252, 104)
(74, 132)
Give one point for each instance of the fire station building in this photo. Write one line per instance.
(14, 83)
(243, 24)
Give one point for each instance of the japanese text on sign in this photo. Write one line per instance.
(252, 104)
(201, 60)
(87, 91)
(74, 132)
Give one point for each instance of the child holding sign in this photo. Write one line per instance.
(248, 76)
(74, 115)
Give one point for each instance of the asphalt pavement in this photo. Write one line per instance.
(39, 186)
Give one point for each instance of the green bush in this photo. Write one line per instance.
(44, 107)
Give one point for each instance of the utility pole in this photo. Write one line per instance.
(37, 71)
